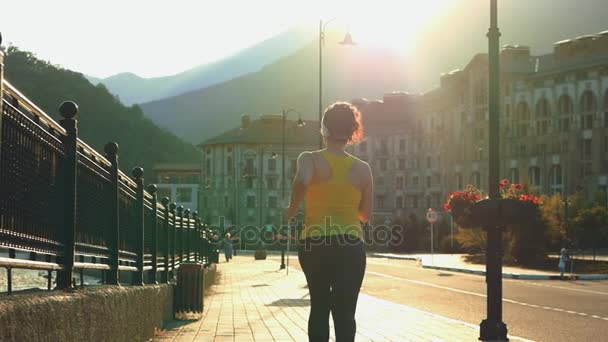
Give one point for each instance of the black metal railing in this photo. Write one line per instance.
(70, 208)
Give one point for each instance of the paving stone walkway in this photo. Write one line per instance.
(253, 301)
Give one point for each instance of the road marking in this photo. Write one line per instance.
(519, 281)
(424, 283)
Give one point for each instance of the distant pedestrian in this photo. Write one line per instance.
(563, 258)
(227, 244)
(338, 190)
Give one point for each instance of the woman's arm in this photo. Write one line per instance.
(300, 183)
(367, 194)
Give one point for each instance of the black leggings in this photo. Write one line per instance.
(334, 267)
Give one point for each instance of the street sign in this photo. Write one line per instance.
(432, 216)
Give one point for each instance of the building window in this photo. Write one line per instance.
(565, 106)
(399, 183)
(588, 102)
(514, 175)
(249, 169)
(459, 184)
(272, 202)
(428, 181)
(606, 117)
(564, 125)
(225, 201)
(272, 183)
(250, 201)
(184, 195)
(523, 113)
(534, 175)
(476, 179)
(399, 202)
(588, 121)
(543, 109)
(415, 180)
(415, 202)
(555, 177)
(383, 165)
(272, 164)
(383, 147)
(428, 162)
(587, 168)
(248, 183)
(402, 145)
(229, 165)
(380, 202)
(401, 164)
(587, 148)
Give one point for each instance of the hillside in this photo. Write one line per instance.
(102, 117)
(359, 71)
(131, 88)
(291, 82)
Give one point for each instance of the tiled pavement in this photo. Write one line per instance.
(253, 301)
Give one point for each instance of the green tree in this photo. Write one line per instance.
(102, 117)
(591, 228)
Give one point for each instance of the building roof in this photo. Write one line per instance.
(267, 130)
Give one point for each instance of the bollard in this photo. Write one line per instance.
(197, 236)
(138, 174)
(113, 234)
(69, 110)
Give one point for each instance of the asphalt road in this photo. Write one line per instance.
(539, 310)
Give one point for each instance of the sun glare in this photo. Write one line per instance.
(392, 25)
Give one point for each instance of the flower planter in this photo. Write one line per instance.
(492, 213)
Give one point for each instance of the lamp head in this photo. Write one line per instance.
(348, 40)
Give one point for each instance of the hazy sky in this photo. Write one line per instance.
(154, 38)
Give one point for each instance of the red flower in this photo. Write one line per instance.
(518, 186)
(447, 207)
(504, 183)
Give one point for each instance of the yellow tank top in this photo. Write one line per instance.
(332, 207)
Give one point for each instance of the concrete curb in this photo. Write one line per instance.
(504, 275)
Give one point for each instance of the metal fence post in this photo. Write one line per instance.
(154, 227)
(138, 174)
(166, 224)
(186, 234)
(179, 234)
(172, 207)
(1, 90)
(197, 236)
(69, 110)
(113, 233)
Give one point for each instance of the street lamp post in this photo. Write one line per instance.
(493, 328)
(347, 41)
(300, 123)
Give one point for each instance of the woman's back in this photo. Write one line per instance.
(334, 195)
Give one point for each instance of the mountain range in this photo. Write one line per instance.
(131, 88)
(291, 81)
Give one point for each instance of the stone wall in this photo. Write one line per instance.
(105, 313)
